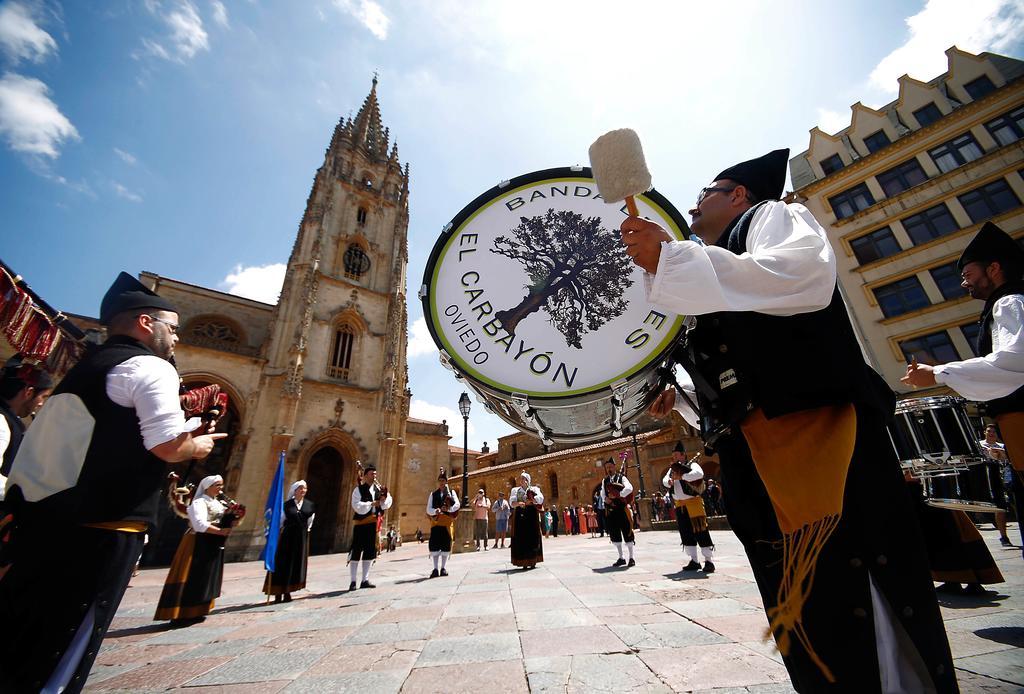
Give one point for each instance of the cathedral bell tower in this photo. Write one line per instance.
(335, 377)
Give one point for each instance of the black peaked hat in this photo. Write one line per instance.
(442, 475)
(369, 467)
(17, 369)
(992, 244)
(764, 177)
(128, 294)
(679, 447)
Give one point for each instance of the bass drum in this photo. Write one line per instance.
(533, 302)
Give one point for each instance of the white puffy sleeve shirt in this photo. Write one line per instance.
(204, 512)
(1000, 373)
(149, 384)
(431, 511)
(788, 268)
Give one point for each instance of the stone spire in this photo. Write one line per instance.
(366, 126)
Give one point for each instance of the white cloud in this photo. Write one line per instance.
(127, 157)
(258, 282)
(979, 25)
(421, 409)
(420, 341)
(29, 120)
(187, 35)
(369, 13)
(220, 14)
(20, 36)
(832, 121)
(123, 192)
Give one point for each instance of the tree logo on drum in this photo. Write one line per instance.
(578, 272)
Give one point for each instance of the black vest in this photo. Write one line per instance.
(743, 360)
(1014, 402)
(119, 479)
(17, 428)
(438, 497)
(365, 494)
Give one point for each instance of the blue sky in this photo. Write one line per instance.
(182, 136)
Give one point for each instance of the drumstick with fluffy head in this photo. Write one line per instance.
(617, 161)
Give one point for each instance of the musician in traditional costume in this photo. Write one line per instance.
(24, 389)
(369, 500)
(686, 480)
(616, 494)
(798, 421)
(527, 546)
(992, 268)
(194, 580)
(84, 489)
(292, 556)
(442, 509)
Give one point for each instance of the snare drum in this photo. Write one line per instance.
(978, 488)
(532, 300)
(933, 436)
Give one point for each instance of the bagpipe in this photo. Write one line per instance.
(694, 488)
(382, 493)
(613, 485)
(208, 403)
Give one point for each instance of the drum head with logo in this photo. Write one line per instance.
(529, 290)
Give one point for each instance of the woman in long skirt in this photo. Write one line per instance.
(292, 555)
(584, 519)
(527, 547)
(194, 581)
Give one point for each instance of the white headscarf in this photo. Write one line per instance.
(207, 483)
(295, 486)
(529, 480)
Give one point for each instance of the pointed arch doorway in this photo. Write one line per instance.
(324, 475)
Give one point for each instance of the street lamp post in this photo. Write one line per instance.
(464, 405)
(636, 455)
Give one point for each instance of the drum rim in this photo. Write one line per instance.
(677, 227)
(931, 402)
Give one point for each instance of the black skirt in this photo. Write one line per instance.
(526, 546)
(440, 539)
(292, 554)
(194, 580)
(364, 542)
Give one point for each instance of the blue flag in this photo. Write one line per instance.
(272, 516)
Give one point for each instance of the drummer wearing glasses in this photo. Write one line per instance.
(803, 445)
(991, 267)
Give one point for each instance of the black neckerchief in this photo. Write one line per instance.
(985, 321)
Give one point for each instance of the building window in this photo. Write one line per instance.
(971, 332)
(989, 200)
(926, 115)
(851, 201)
(901, 297)
(553, 484)
(901, 177)
(341, 353)
(930, 224)
(956, 152)
(1008, 128)
(979, 87)
(936, 348)
(575, 494)
(831, 164)
(357, 263)
(515, 452)
(361, 216)
(876, 141)
(947, 277)
(878, 244)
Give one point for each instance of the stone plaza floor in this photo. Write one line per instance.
(573, 624)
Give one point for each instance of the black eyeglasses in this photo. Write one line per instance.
(173, 327)
(704, 192)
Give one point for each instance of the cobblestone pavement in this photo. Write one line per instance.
(571, 625)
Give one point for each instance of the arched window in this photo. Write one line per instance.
(341, 352)
(575, 494)
(356, 262)
(553, 484)
(361, 216)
